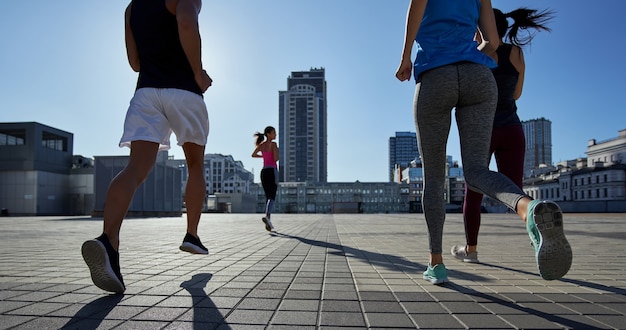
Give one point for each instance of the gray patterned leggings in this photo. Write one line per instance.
(471, 89)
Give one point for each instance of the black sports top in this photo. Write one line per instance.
(163, 63)
(506, 77)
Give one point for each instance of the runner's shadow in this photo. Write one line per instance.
(483, 297)
(379, 259)
(586, 284)
(205, 314)
(92, 314)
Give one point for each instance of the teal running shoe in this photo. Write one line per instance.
(553, 252)
(437, 274)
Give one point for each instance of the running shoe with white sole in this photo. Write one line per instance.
(104, 264)
(436, 274)
(193, 245)
(461, 254)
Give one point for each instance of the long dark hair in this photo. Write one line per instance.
(524, 19)
(261, 136)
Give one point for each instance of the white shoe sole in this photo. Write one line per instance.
(191, 248)
(463, 257)
(436, 280)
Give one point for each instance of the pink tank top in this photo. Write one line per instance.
(268, 159)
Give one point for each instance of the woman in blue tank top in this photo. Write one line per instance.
(452, 73)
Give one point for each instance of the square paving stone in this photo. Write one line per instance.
(243, 316)
(299, 305)
(259, 304)
(40, 308)
(342, 319)
(303, 294)
(534, 322)
(160, 314)
(204, 315)
(436, 321)
(482, 321)
(295, 318)
(44, 323)
(424, 308)
(389, 320)
(341, 306)
(382, 307)
(340, 295)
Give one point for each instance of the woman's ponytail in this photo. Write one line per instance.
(523, 19)
(259, 137)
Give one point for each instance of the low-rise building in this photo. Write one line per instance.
(159, 195)
(35, 168)
(337, 197)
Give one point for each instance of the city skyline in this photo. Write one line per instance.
(69, 70)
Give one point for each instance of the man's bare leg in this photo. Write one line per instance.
(123, 187)
(195, 191)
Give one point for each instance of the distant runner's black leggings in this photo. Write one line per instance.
(471, 89)
(269, 181)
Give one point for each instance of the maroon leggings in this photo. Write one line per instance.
(508, 145)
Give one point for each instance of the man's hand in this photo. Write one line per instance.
(203, 80)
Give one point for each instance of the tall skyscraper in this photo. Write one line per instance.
(402, 150)
(302, 129)
(538, 134)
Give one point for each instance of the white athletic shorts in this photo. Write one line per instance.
(154, 113)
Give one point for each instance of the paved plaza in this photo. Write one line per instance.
(329, 271)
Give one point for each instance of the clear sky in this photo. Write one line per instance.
(63, 64)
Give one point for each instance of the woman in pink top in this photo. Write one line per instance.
(268, 150)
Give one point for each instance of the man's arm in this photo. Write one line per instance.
(187, 12)
(131, 46)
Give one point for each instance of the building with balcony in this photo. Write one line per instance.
(228, 183)
(402, 151)
(454, 192)
(302, 130)
(538, 133)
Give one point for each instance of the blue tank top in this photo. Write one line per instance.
(506, 76)
(446, 35)
(163, 63)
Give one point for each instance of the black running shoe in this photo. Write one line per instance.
(104, 264)
(268, 223)
(193, 245)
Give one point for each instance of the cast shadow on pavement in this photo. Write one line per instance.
(586, 284)
(482, 297)
(205, 314)
(91, 315)
(388, 261)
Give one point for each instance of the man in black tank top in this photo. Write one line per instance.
(163, 46)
